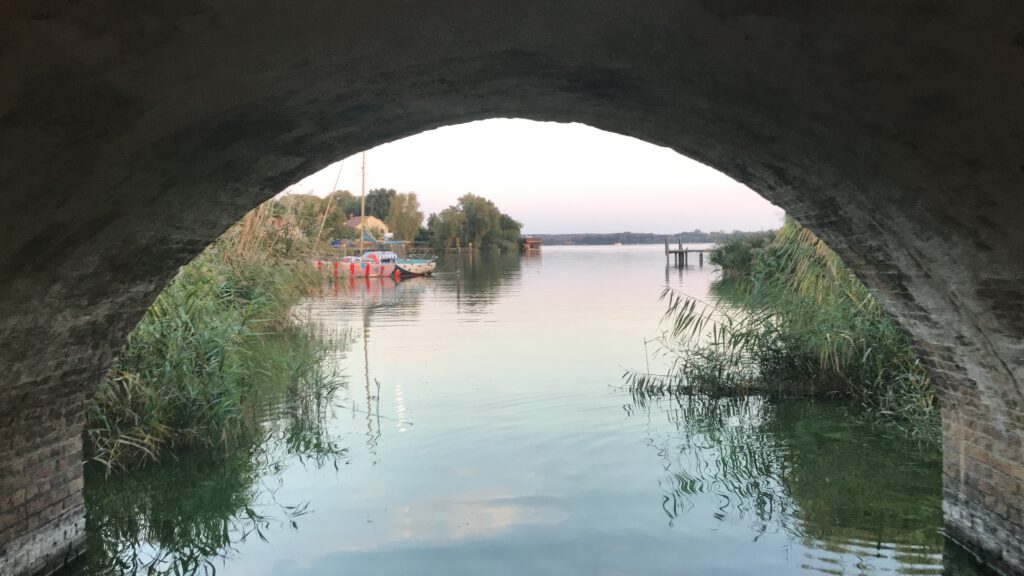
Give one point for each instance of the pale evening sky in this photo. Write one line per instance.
(556, 178)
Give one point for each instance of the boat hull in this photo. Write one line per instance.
(416, 267)
(374, 271)
(356, 267)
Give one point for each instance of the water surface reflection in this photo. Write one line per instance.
(485, 433)
(849, 496)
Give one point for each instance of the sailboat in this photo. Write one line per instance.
(376, 262)
(371, 264)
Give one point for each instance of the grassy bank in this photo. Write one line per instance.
(218, 337)
(791, 318)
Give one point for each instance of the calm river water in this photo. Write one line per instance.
(483, 429)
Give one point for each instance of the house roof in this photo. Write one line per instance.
(355, 221)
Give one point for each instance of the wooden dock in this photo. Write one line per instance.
(682, 255)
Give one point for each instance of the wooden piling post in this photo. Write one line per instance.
(702, 259)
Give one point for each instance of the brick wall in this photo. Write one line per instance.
(983, 480)
(42, 513)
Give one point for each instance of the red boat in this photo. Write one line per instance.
(370, 264)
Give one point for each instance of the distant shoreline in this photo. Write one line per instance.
(611, 238)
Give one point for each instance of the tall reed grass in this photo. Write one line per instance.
(218, 333)
(791, 318)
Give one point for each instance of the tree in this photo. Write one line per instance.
(447, 226)
(404, 216)
(340, 205)
(306, 208)
(482, 218)
(508, 234)
(474, 220)
(346, 204)
(311, 212)
(378, 202)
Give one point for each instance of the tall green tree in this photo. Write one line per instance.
(447, 226)
(404, 216)
(378, 202)
(507, 236)
(482, 218)
(340, 206)
(345, 205)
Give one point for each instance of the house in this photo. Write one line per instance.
(374, 225)
(529, 244)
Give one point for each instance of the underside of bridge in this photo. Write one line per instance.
(133, 133)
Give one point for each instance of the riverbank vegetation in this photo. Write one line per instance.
(474, 222)
(222, 332)
(176, 517)
(791, 319)
(328, 218)
(220, 336)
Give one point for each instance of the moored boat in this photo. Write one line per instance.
(416, 266)
(370, 264)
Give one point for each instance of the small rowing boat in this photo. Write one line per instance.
(416, 266)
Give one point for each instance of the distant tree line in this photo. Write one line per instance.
(473, 221)
(692, 237)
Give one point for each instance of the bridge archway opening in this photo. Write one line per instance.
(894, 132)
(351, 169)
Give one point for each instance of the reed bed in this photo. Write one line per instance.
(791, 319)
(214, 338)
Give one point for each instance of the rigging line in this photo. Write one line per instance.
(330, 198)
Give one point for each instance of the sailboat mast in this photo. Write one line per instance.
(362, 208)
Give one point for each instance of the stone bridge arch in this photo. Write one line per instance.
(132, 134)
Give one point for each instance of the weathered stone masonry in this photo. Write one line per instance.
(131, 134)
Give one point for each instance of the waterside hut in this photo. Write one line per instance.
(529, 244)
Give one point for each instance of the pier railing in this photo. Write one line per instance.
(681, 255)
